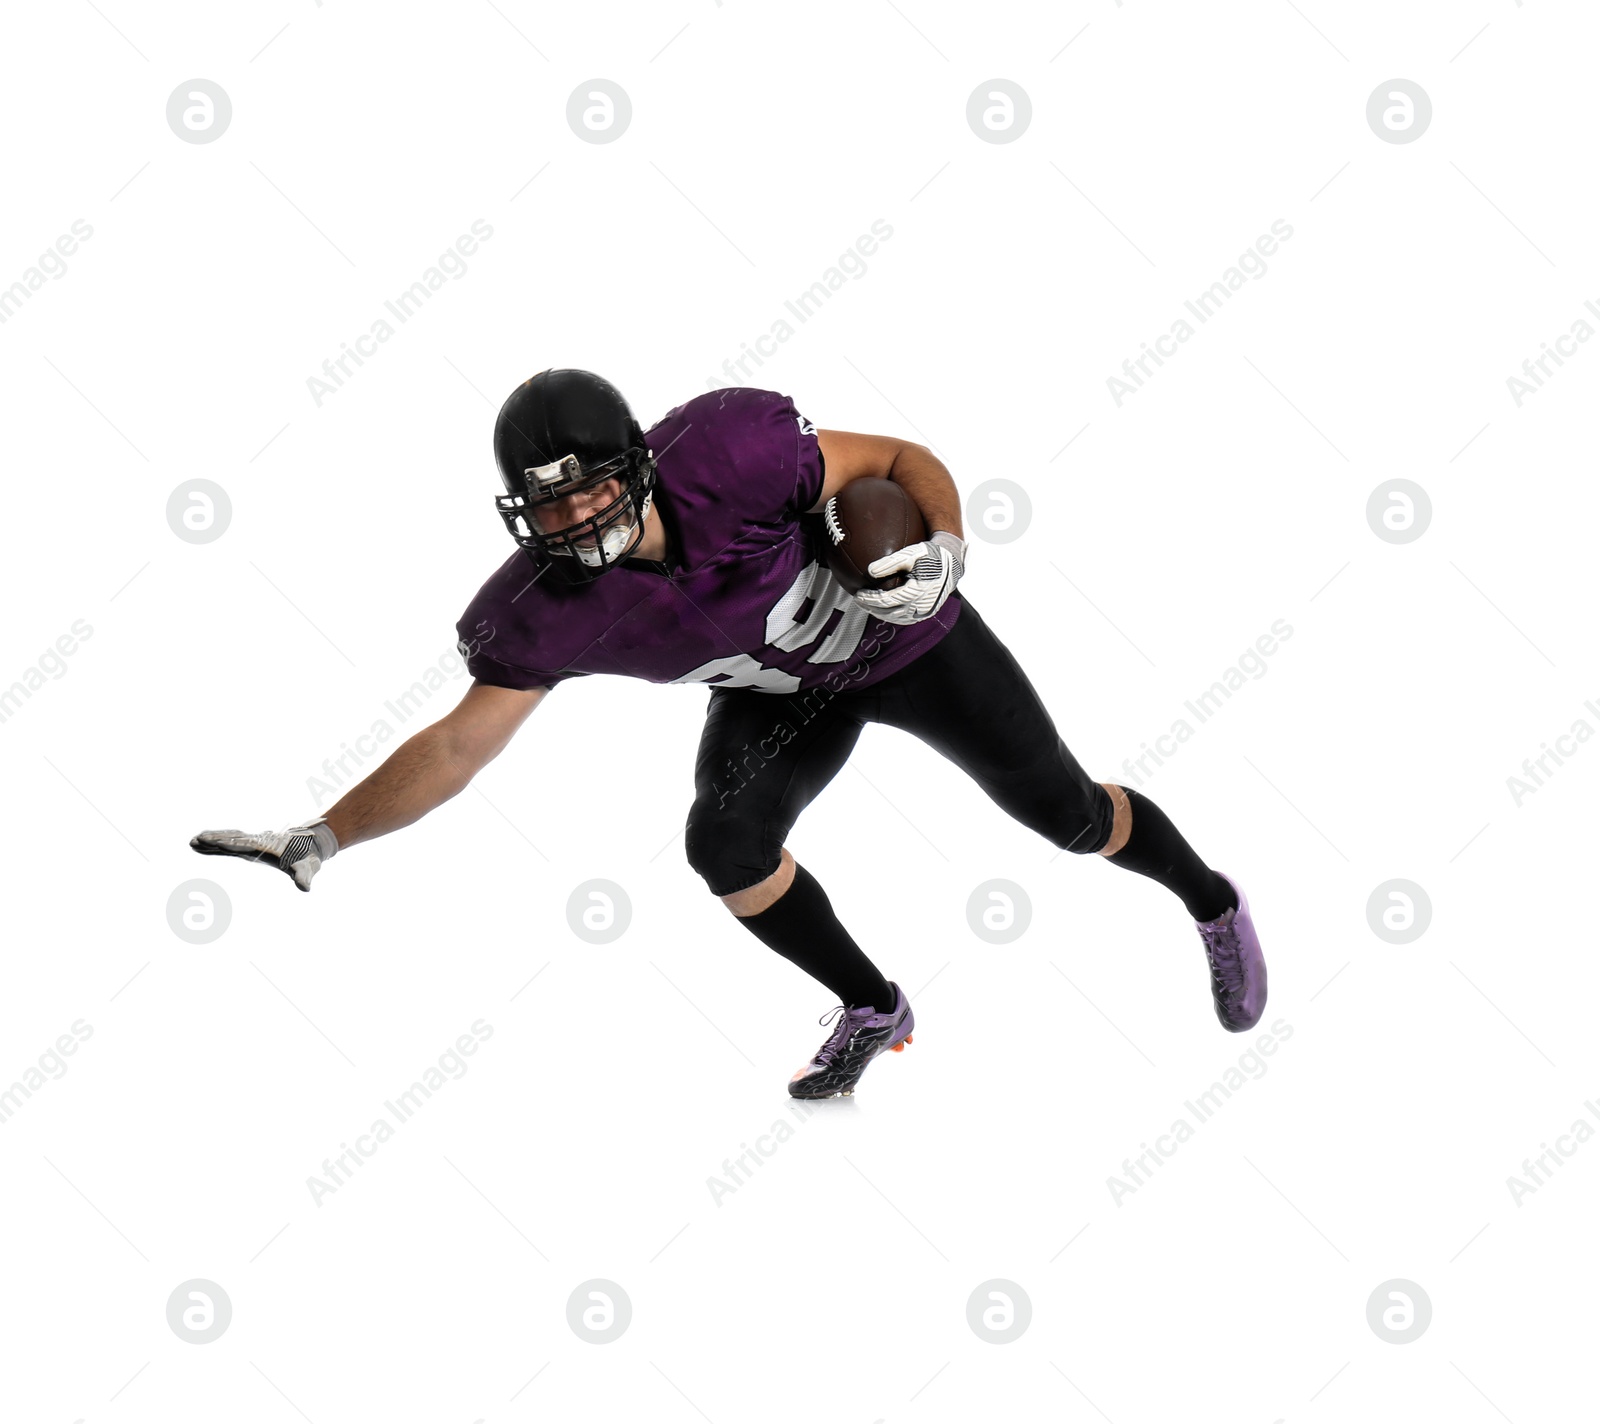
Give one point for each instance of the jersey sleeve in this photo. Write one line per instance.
(474, 637)
(808, 465)
(752, 450)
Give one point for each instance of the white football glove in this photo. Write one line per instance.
(933, 567)
(299, 852)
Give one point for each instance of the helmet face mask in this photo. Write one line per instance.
(560, 434)
(593, 544)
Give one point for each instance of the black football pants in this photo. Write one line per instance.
(764, 756)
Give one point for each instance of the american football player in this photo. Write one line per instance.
(691, 553)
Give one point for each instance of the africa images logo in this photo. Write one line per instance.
(451, 1064)
(1251, 1064)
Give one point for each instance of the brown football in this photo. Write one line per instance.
(867, 519)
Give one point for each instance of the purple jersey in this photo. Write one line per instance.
(749, 600)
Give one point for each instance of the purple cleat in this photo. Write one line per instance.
(1238, 970)
(858, 1037)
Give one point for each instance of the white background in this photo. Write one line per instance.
(1230, 492)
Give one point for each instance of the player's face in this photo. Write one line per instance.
(577, 507)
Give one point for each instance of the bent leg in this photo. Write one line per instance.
(759, 896)
(763, 758)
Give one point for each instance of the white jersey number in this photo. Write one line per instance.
(815, 582)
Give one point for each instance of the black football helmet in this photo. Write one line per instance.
(560, 432)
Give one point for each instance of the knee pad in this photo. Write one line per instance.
(729, 852)
(1084, 824)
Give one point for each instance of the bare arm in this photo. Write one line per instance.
(915, 468)
(434, 765)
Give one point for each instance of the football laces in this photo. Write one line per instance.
(830, 515)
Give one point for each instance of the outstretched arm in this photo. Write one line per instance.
(434, 765)
(423, 772)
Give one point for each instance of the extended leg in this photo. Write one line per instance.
(1144, 841)
(970, 700)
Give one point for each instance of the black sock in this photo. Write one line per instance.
(1156, 849)
(801, 926)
